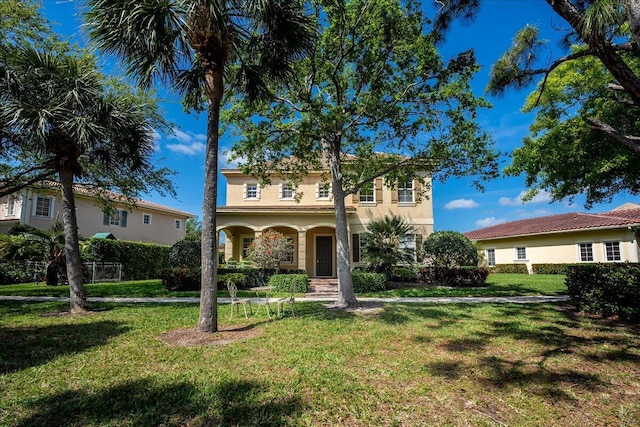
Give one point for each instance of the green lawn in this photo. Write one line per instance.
(497, 285)
(407, 365)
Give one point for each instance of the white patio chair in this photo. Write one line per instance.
(290, 299)
(233, 292)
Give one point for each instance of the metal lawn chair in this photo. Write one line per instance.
(290, 299)
(233, 292)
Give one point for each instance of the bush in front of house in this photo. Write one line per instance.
(14, 272)
(606, 289)
(238, 279)
(139, 260)
(185, 253)
(549, 268)
(283, 282)
(181, 279)
(510, 268)
(449, 249)
(404, 275)
(463, 277)
(368, 282)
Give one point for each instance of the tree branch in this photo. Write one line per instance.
(630, 142)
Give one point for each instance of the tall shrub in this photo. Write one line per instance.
(139, 260)
(449, 249)
(268, 249)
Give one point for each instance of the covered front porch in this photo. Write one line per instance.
(312, 233)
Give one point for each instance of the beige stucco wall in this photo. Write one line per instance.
(90, 221)
(562, 248)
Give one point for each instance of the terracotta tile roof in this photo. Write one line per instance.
(559, 223)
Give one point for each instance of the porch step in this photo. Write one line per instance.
(322, 288)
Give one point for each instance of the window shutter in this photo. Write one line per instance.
(258, 190)
(123, 219)
(244, 190)
(378, 190)
(105, 219)
(280, 190)
(355, 245)
(355, 198)
(317, 190)
(417, 190)
(394, 195)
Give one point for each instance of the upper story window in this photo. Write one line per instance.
(146, 219)
(612, 251)
(521, 253)
(586, 252)
(287, 191)
(252, 191)
(118, 218)
(177, 224)
(43, 206)
(405, 192)
(323, 191)
(367, 193)
(491, 257)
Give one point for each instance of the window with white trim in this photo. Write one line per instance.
(246, 242)
(367, 193)
(114, 219)
(251, 191)
(408, 243)
(146, 219)
(323, 191)
(177, 224)
(43, 206)
(612, 251)
(405, 192)
(586, 252)
(117, 218)
(521, 253)
(11, 206)
(491, 257)
(289, 257)
(286, 191)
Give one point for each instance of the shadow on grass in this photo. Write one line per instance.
(145, 403)
(32, 346)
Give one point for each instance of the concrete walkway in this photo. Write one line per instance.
(530, 299)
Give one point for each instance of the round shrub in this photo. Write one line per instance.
(185, 253)
(449, 249)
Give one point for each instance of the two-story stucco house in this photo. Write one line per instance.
(306, 215)
(563, 239)
(145, 222)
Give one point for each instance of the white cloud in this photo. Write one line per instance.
(156, 139)
(188, 149)
(541, 197)
(461, 204)
(487, 222)
(190, 143)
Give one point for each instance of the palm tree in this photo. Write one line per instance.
(383, 249)
(56, 112)
(191, 45)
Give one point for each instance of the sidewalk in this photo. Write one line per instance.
(527, 299)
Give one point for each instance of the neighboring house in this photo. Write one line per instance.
(306, 216)
(146, 222)
(565, 238)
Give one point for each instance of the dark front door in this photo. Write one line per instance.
(324, 255)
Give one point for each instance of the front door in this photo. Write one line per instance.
(324, 255)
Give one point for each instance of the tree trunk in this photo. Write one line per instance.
(346, 295)
(78, 294)
(208, 321)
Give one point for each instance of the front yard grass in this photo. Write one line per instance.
(497, 285)
(406, 365)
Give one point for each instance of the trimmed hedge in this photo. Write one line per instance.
(509, 268)
(549, 268)
(283, 282)
(11, 273)
(368, 282)
(139, 260)
(181, 279)
(457, 277)
(606, 289)
(404, 274)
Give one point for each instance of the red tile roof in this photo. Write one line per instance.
(559, 223)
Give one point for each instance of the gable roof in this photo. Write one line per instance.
(624, 216)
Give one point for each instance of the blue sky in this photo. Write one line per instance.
(457, 204)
